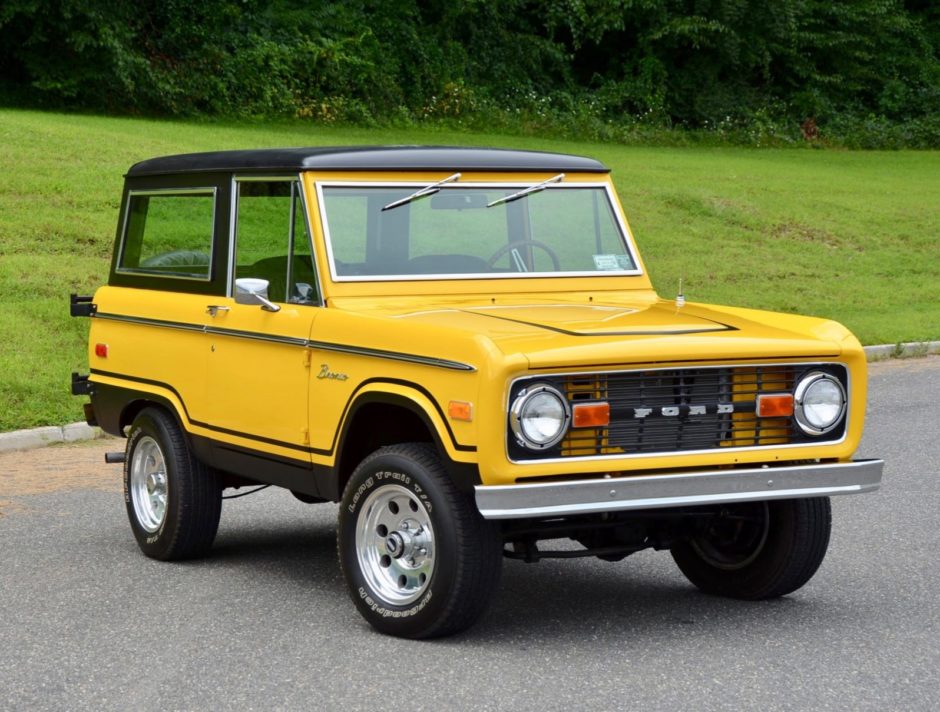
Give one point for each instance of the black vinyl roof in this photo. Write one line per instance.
(365, 158)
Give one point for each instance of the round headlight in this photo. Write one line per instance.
(539, 416)
(819, 403)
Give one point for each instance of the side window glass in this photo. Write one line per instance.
(169, 234)
(272, 242)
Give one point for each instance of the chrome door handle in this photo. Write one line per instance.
(214, 309)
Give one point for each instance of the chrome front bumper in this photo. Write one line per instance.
(681, 489)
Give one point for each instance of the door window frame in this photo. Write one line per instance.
(292, 238)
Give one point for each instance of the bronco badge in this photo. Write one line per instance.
(325, 372)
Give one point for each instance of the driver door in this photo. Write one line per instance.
(259, 373)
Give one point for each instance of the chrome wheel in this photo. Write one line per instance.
(395, 545)
(173, 500)
(148, 484)
(417, 557)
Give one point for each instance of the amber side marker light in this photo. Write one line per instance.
(460, 410)
(590, 415)
(776, 405)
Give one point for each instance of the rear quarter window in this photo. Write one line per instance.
(169, 234)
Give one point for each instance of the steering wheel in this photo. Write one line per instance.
(494, 258)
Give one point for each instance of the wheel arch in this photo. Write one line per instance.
(115, 406)
(379, 417)
(133, 408)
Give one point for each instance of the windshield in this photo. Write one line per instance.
(468, 232)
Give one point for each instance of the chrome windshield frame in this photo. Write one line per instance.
(625, 235)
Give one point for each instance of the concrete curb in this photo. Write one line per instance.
(75, 432)
(40, 437)
(910, 349)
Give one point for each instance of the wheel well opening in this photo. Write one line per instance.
(375, 425)
(132, 410)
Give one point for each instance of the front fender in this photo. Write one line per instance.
(418, 400)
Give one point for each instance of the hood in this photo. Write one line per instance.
(600, 331)
(602, 320)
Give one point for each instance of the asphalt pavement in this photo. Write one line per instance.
(87, 622)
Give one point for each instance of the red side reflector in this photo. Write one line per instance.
(101, 350)
(591, 415)
(776, 405)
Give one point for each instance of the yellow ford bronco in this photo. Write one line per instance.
(461, 347)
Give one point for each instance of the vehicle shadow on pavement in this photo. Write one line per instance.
(301, 552)
(642, 596)
(588, 599)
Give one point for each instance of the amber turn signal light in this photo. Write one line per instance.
(591, 415)
(460, 410)
(776, 405)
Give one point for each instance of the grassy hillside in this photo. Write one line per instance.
(849, 235)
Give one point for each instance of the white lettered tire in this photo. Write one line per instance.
(173, 500)
(418, 559)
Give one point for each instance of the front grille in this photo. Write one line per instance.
(675, 410)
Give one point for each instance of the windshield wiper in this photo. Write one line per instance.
(527, 191)
(423, 192)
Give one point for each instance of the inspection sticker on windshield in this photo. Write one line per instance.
(610, 262)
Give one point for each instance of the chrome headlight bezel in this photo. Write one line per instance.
(804, 386)
(517, 415)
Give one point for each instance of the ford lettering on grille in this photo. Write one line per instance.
(689, 410)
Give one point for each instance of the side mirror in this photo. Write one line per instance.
(249, 290)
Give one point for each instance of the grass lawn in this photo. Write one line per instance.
(854, 236)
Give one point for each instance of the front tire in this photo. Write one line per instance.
(173, 500)
(418, 559)
(758, 550)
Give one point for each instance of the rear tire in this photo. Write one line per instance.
(758, 550)
(418, 559)
(173, 500)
